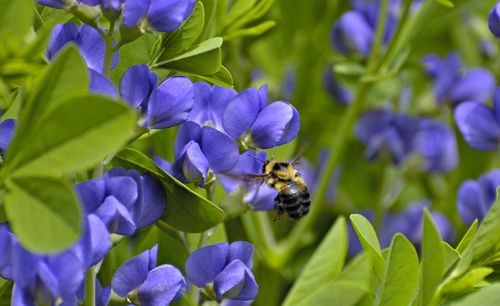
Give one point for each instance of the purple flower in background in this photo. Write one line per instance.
(455, 86)
(7, 244)
(436, 143)
(94, 243)
(494, 20)
(123, 200)
(141, 281)
(7, 128)
(247, 116)
(352, 34)
(480, 124)
(476, 197)
(408, 222)
(158, 15)
(200, 149)
(227, 267)
(165, 105)
(387, 134)
(102, 85)
(59, 4)
(334, 88)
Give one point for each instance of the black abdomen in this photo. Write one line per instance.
(294, 201)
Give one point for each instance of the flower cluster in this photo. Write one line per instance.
(476, 197)
(407, 222)
(219, 121)
(143, 283)
(224, 270)
(453, 85)
(397, 136)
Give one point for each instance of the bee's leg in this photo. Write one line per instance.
(278, 208)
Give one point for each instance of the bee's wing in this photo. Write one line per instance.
(247, 178)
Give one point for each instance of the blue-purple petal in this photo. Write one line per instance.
(241, 112)
(352, 34)
(91, 194)
(192, 165)
(131, 274)
(124, 189)
(276, 123)
(58, 4)
(478, 125)
(170, 103)
(168, 15)
(133, 11)
(60, 36)
(189, 131)
(494, 20)
(7, 129)
(204, 264)
(242, 251)
(136, 85)
(470, 202)
(102, 85)
(162, 285)
(152, 203)
(220, 150)
(116, 217)
(476, 85)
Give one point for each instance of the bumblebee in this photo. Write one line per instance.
(293, 197)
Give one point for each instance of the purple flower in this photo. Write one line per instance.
(494, 20)
(7, 244)
(44, 279)
(209, 104)
(7, 128)
(159, 15)
(123, 200)
(436, 143)
(59, 4)
(479, 124)
(102, 85)
(335, 89)
(352, 34)
(227, 267)
(88, 40)
(476, 197)
(94, 243)
(141, 281)
(200, 149)
(265, 126)
(387, 134)
(165, 106)
(454, 86)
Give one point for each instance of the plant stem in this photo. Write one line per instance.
(90, 276)
(109, 49)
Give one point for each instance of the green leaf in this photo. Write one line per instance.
(344, 294)
(468, 237)
(15, 20)
(66, 76)
(368, 238)
(80, 132)
(222, 77)
(467, 281)
(333, 249)
(5, 292)
(433, 259)
(252, 31)
(238, 9)
(349, 69)
(257, 11)
(184, 37)
(186, 210)
(446, 3)
(451, 256)
(134, 53)
(204, 58)
(487, 296)
(400, 277)
(44, 213)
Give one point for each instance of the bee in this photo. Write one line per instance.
(293, 197)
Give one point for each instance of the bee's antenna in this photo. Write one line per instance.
(257, 158)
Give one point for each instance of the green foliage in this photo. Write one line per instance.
(368, 238)
(398, 283)
(186, 210)
(322, 268)
(15, 22)
(43, 212)
(433, 260)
